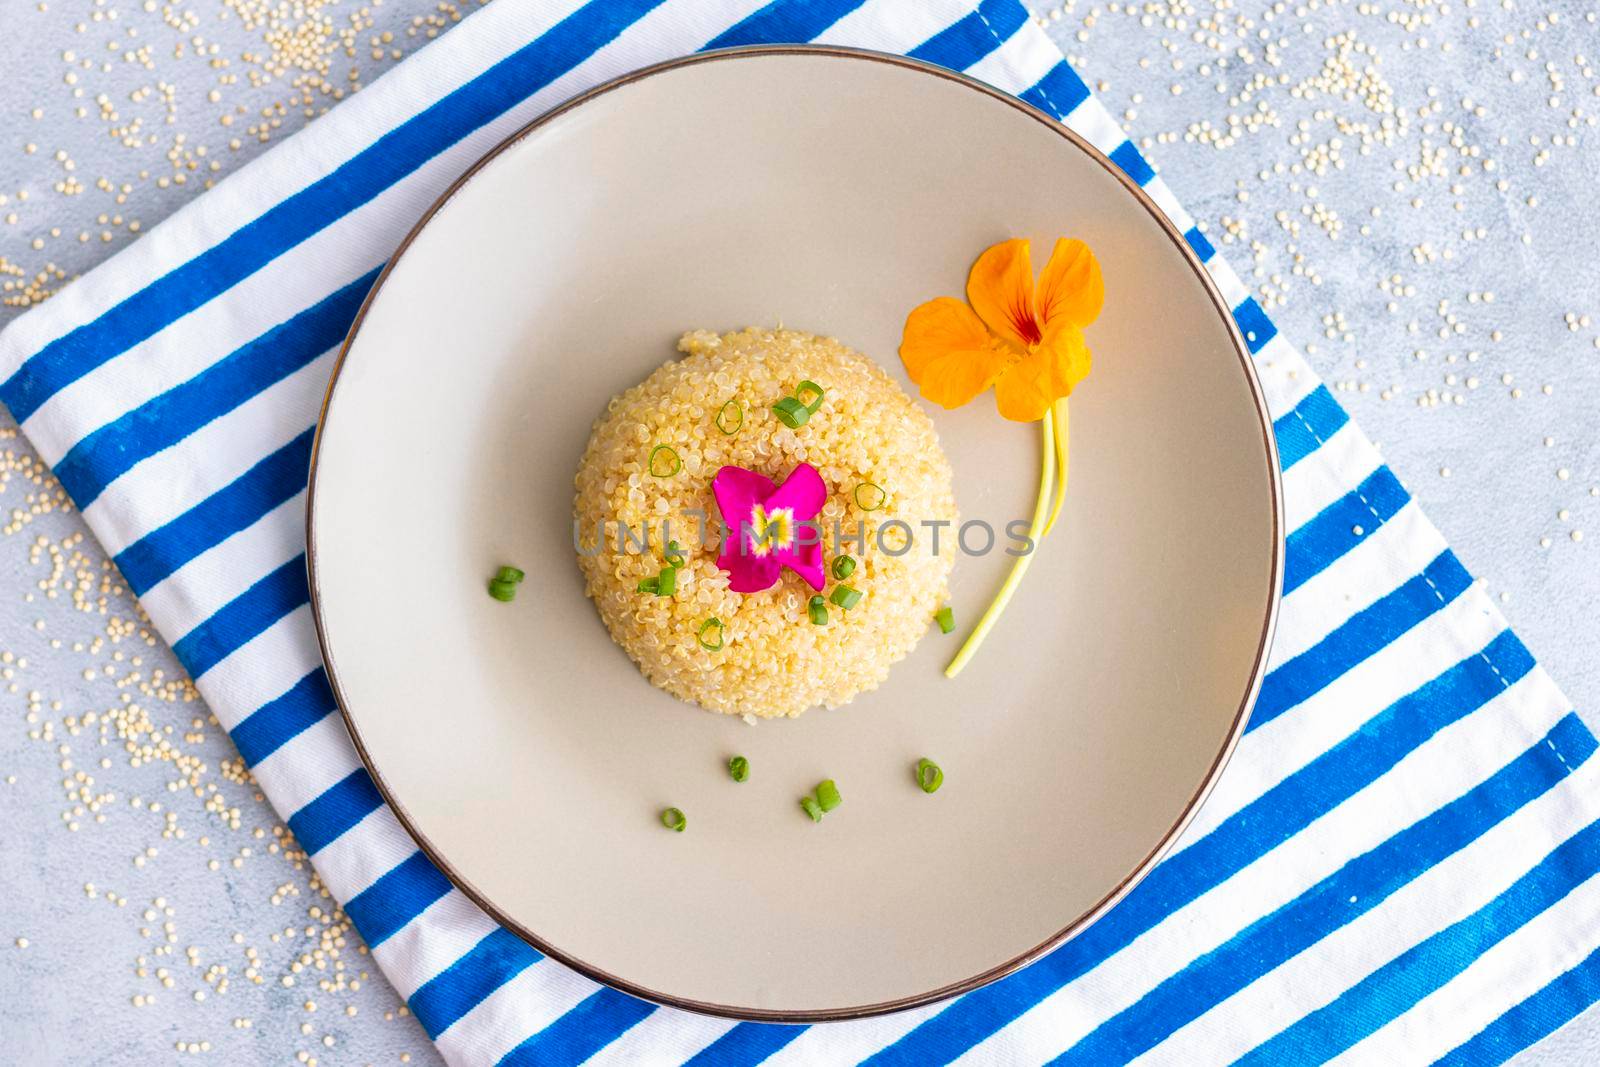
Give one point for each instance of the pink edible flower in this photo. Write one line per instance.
(766, 530)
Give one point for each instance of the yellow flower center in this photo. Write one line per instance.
(771, 529)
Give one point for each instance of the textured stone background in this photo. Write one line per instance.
(1408, 183)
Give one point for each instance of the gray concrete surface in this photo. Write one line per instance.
(1409, 184)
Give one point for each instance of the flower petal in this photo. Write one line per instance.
(803, 491)
(738, 491)
(747, 572)
(1000, 289)
(804, 557)
(1071, 290)
(948, 352)
(1028, 387)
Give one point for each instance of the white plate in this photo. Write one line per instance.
(832, 191)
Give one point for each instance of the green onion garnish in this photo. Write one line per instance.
(810, 806)
(664, 461)
(817, 609)
(809, 386)
(730, 417)
(648, 585)
(870, 496)
(739, 768)
(929, 776)
(845, 596)
(673, 554)
(713, 626)
(667, 581)
(828, 796)
(843, 567)
(791, 412)
(673, 819)
(503, 586)
(946, 619)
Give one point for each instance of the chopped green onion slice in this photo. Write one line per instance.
(730, 417)
(810, 806)
(809, 386)
(664, 461)
(817, 609)
(739, 768)
(929, 775)
(946, 619)
(673, 819)
(870, 496)
(791, 412)
(843, 567)
(648, 585)
(673, 554)
(711, 634)
(845, 596)
(667, 581)
(503, 586)
(828, 796)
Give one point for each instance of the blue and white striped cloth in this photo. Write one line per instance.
(1398, 865)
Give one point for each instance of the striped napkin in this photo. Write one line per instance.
(1396, 867)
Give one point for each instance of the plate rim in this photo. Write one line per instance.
(1236, 729)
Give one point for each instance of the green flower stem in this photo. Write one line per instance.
(1019, 567)
(1061, 464)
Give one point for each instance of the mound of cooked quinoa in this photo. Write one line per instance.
(773, 661)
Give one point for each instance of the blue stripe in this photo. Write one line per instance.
(243, 617)
(460, 987)
(383, 908)
(1301, 432)
(235, 506)
(1200, 243)
(335, 810)
(1392, 989)
(1244, 837)
(282, 718)
(1126, 156)
(162, 421)
(975, 35)
(1254, 324)
(1556, 1004)
(1059, 92)
(1350, 892)
(1341, 526)
(1362, 635)
(580, 1033)
(746, 1044)
(364, 176)
(784, 21)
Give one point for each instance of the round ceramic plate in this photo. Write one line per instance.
(832, 191)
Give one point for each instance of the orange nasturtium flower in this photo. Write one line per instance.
(1025, 340)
